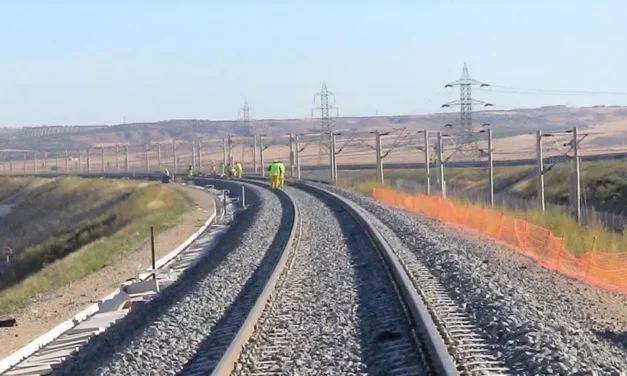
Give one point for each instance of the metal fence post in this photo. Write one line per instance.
(152, 247)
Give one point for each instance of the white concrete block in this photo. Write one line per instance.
(115, 303)
(143, 286)
(30, 371)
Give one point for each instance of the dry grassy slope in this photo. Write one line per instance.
(604, 185)
(506, 123)
(44, 207)
(80, 225)
(470, 179)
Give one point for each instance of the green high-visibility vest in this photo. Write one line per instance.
(275, 169)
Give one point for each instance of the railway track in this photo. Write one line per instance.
(200, 310)
(338, 302)
(305, 285)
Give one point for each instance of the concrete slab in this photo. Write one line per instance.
(45, 362)
(180, 268)
(61, 345)
(148, 294)
(113, 304)
(70, 337)
(83, 330)
(91, 326)
(111, 314)
(99, 320)
(143, 286)
(57, 354)
(30, 371)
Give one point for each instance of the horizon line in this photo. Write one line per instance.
(303, 118)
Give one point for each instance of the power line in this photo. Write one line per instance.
(534, 91)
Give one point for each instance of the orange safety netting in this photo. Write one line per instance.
(605, 270)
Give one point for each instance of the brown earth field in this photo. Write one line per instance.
(605, 129)
(360, 150)
(56, 306)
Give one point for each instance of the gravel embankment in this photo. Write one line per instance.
(161, 337)
(337, 312)
(541, 322)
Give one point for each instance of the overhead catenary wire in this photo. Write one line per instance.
(557, 92)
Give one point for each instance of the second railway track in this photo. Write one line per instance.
(203, 309)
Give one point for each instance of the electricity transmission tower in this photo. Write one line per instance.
(465, 136)
(243, 115)
(324, 109)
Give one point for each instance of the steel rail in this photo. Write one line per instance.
(231, 356)
(441, 362)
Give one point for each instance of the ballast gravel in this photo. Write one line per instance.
(541, 322)
(162, 336)
(336, 312)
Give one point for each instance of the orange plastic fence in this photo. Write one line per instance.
(605, 270)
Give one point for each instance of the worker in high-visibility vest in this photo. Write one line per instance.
(274, 171)
(238, 170)
(222, 169)
(281, 174)
(214, 169)
(230, 172)
(190, 171)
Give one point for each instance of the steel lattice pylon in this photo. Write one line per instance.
(244, 120)
(326, 123)
(465, 136)
(244, 113)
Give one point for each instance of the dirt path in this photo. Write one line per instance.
(59, 305)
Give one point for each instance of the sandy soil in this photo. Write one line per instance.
(59, 305)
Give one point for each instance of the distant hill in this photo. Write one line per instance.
(504, 124)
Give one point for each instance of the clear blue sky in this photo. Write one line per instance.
(69, 62)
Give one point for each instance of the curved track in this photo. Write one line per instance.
(204, 308)
(303, 283)
(341, 304)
